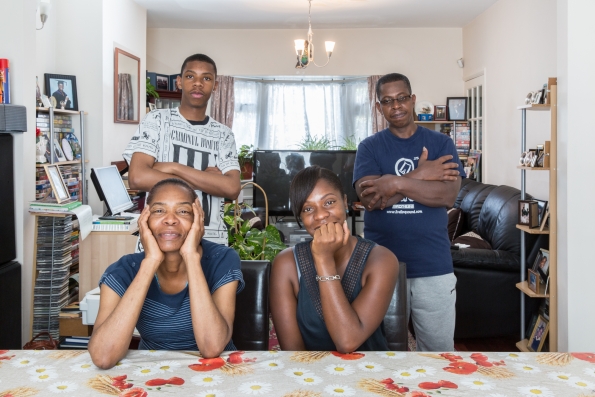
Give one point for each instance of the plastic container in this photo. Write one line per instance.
(425, 117)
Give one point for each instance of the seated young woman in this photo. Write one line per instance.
(179, 293)
(330, 293)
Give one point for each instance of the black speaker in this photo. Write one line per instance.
(13, 118)
(10, 297)
(7, 231)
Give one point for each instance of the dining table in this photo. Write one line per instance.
(144, 373)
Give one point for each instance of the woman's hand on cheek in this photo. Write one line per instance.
(196, 233)
(152, 250)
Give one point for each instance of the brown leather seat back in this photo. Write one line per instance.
(251, 324)
(395, 320)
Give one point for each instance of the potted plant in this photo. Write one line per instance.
(245, 155)
(151, 92)
(249, 242)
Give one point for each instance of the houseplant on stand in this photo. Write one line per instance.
(245, 156)
(151, 92)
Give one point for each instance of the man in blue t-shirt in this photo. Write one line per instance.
(406, 176)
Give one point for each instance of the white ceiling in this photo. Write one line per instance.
(326, 14)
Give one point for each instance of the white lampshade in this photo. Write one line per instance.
(44, 7)
(330, 46)
(299, 46)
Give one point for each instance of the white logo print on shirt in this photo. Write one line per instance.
(404, 166)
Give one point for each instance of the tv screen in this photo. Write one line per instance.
(111, 189)
(274, 170)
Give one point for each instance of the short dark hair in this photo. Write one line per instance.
(391, 78)
(304, 182)
(171, 182)
(198, 58)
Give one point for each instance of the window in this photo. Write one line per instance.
(275, 114)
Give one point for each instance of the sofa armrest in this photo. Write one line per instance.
(474, 258)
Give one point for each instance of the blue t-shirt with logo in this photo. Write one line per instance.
(415, 233)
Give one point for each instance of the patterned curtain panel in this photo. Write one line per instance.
(125, 99)
(222, 102)
(378, 121)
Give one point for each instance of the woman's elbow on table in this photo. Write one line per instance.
(103, 357)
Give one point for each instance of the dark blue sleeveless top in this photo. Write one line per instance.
(309, 309)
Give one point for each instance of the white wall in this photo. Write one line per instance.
(427, 56)
(514, 42)
(18, 46)
(577, 62)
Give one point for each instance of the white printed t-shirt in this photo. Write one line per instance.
(168, 137)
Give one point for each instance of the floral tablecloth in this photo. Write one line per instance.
(299, 374)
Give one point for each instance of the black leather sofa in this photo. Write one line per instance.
(488, 303)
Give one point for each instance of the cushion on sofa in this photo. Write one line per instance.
(455, 223)
(473, 240)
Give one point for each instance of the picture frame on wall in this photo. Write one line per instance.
(538, 334)
(58, 186)
(61, 90)
(172, 82)
(162, 82)
(456, 108)
(440, 113)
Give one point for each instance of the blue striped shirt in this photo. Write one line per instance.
(165, 322)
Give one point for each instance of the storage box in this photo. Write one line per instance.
(90, 306)
(425, 117)
(74, 327)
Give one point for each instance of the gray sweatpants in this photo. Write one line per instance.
(431, 306)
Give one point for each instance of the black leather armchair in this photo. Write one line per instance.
(251, 324)
(395, 320)
(488, 303)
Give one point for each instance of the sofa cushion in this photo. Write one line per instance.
(455, 223)
(470, 200)
(473, 240)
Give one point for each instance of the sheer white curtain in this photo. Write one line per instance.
(280, 114)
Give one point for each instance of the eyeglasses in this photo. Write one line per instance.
(399, 99)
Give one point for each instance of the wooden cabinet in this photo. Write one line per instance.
(553, 224)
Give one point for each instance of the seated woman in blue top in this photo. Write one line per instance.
(330, 293)
(179, 293)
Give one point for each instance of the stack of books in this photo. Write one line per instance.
(53, 207)
(75, 342)
(72, 310)
(100, 225)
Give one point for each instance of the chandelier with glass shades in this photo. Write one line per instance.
(305, 49)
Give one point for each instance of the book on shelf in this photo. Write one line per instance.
(70, 205)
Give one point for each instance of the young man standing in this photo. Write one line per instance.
(186, 143)
(406, 176)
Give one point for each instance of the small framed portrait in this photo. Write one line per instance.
(152, 106)
(172, 82)
(62, 88)
(58, 152)
(533, 280)
(456, 108)
(543, 266)
(162, 81)
(440, 112)
(538, 334)
(541, 207)
(528, 213)
(58, 186)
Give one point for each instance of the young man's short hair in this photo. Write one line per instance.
(199, 58)
(391, 78)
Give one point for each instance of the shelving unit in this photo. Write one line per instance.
(432, 124)
(49, 247)
(553, 224)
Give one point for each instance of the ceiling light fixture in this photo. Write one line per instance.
(305, 49)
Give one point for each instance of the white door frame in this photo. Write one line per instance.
(478, 117)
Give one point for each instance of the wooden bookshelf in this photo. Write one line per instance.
(60, 111)
(59, 163)
(522, 345)
(523, 286)
(534, 230)
(534, 107)
(522, 167)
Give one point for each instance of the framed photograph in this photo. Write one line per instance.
(58, 152)
(528, 213)
(126, 87)
(544, 219)
(541, 207)
(538, 335)
(457, 108)
(62, 88)
(58, 186)
(172, 82)
(162, 81)
(543, 266)
(440, 112)
(533, 280)
(152, 106)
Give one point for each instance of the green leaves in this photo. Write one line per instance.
(251, 243)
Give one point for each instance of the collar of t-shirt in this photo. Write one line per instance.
(202, 122)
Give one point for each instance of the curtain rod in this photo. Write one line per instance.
(302, 80)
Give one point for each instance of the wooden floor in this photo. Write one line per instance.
(502, 344)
